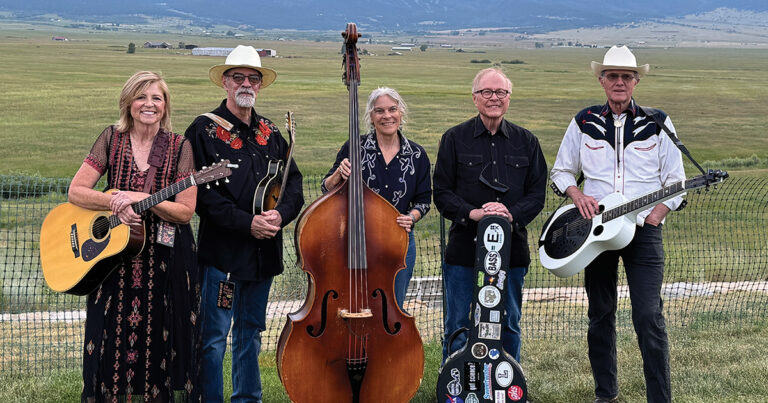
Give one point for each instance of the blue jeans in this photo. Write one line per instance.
(403, 277)
(644, 265)
(249, 307)
(459, 294)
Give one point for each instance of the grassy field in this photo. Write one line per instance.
(707, 365)
(57, 96)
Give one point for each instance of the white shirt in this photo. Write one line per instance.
(624, 153)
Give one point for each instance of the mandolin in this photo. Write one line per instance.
(269, 191)
(79, 247)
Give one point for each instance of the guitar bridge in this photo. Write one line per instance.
(73, 240)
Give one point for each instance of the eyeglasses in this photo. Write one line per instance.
(486, 93)
(612, 77)
(240, 78)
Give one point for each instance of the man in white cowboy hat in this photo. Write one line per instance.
(239, 250)
(619, 147)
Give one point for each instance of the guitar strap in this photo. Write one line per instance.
(156, 158)
(656, 118)
(218, 120)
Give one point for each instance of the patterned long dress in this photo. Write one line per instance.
(141, 332)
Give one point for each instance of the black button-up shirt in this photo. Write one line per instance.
(224, 238)
(404, 182)
(474, 167)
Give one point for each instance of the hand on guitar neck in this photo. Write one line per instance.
(121, 205)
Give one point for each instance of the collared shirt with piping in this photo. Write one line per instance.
(627, 153)
(510, 159)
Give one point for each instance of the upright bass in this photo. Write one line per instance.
(350, 342)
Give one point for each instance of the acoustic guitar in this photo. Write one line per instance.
(269, 191)
(79, 248)
(570, 242)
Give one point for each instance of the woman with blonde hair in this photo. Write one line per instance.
(141, 330)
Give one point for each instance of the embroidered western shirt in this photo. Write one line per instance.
(404, 182)
(627, 153)
(224, 237)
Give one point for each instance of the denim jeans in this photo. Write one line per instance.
(403, 277)
(249, 306)
(644, 265)
(459, 294)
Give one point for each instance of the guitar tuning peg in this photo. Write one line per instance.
(217, 182)
(226, 180)
(204, 167)
(207, 185)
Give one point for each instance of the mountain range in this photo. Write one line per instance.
(532, 16)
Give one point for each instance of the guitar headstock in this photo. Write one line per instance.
(713, 177)
(214, 172)
(290, 125)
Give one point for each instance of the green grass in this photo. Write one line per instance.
(60, 95)
(726, 364)
(57, 97)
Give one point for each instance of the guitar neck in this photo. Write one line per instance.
(645, 201)
(155, 199)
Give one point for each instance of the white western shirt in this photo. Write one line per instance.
(624, 153)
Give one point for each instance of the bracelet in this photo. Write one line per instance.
(413, 217)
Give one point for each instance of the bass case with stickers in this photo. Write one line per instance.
(482, 371)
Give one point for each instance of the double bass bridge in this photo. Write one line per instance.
(346, 314)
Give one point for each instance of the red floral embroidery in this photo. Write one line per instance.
(237, 144)
(222, 134)
(264, 132)
(264, 129)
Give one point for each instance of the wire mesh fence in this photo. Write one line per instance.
(716, 270)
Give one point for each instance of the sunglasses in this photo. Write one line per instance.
(239, 78)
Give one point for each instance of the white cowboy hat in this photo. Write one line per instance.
(619, 58)
(242, 56)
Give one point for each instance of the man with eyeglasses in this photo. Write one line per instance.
(619, 147)
(487, 166)
(239, 251)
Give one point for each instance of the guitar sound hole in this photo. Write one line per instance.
(100, 227)
(566, 234)
(598, 230)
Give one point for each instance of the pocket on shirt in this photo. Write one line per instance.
(469, 168)
(517, 169)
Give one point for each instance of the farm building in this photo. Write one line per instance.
(157, 45)
(225, 51)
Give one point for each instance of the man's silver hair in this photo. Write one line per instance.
(482, 73)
